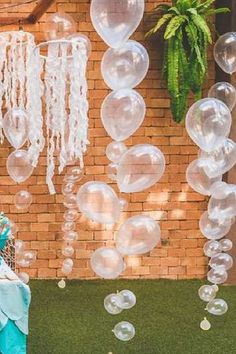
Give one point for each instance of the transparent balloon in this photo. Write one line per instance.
(126, 66)
(26, 258)
(217, 276)
(207, 293)
(107, 263)
(225, 52)
(212, 248)
(61, 284)
(68, 226)
(197, 177)
(140, 168)
(220, 190)
(226, 245)
(67, 250)
(70, 236)
(124, 205)
(205, 325)
(14, 227)
(82, 38)
(71, 215)
(221, 160)
(116, 21)
(67, 266)
(70, 201)
(214, 229)
(99, 202)
(124, 331)
(74, 174)
(224, 92)
(115, 150)
(217, 307)
(223, 208)
(66, 270)
(19, 247)
(19, 166)
(68, 188)
(221, 261)
(208, 123)
(15, 127)
(112, 304)
(23, 199)
(24, 277)
(122, 113)
(138, 235)
(127, 299)
(111, 171)
(59, 26)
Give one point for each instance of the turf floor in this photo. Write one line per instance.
(166, 318)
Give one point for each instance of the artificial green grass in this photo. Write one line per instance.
(166, 318)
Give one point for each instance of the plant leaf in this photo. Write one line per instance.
(200, 23)
(159, 24)
(173, 26)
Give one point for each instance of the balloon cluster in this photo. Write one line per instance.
(68, 227)
(124, 66)
(24, 258)
(208, 123)
(115, 304)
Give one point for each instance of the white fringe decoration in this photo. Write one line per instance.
(66, 103)
(20, 76)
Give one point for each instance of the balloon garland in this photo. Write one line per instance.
(124, 66)
(208, 123)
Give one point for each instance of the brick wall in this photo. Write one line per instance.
(171, 200)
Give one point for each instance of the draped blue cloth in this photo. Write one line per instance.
(14, 306)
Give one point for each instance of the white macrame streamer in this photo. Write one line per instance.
(66, 103)
(20, 76)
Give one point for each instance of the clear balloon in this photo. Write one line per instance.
(70, 236)
(26, 258)
(223, 208)
(24, 277)
(59, 26)
(225, 52)
(71, 215)
(220, 190)
(127, 299)
(208, 123)
(19, 166)
(122, 113)
(197, 177)
(217, 276)
(68, 226)
(70, 201)
(112, 171)
(221, 261)
(126, 66)
(138, 235)
(15, 127)
(107, 263)
(217, 307)
(116, 21)
(74, 174)
(67, 250)
(124, 205)
(112, 304)
(140, 168)
(82, 38)
(124, 331)
(19, 247)
(205, 325)
(68, 188)
(224, 92)
(14, 227)
(207, 293)
(61, 284)
(213, 229)
(99, 202)
(226, 245)
(212, 248)
(221, 160)
(23, 199)
(115, 150)
(67, 266)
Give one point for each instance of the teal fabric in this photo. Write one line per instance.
(12, 340)
(15, 299)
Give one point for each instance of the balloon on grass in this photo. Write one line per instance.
(112, 304)
(207, 293)
(217, 307)
(217, 276)
(222, 261)
(124, 331)
(127, 299)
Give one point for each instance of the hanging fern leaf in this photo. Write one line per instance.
(187, 37)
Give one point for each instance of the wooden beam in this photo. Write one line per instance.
(40, 10)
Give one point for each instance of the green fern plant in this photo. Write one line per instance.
(187, 35)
